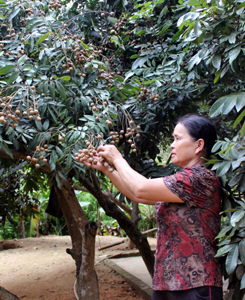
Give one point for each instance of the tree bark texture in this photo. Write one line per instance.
(83, 242)
(134, 219)
(21, 229)
(5, 295)
(112, 210)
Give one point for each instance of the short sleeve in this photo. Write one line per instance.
(195, 186)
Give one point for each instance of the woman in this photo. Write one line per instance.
(187, 206)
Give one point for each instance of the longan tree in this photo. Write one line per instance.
(77, 75)
(62, 90)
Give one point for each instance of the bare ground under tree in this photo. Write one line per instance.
(41, 269)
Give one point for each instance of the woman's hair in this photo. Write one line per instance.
(200, 128)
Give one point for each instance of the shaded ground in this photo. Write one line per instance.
(41, 269)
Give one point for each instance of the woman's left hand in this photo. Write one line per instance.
(109, 152)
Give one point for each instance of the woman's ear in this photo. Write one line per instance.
(199, 146)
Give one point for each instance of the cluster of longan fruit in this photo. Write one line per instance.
(118, 25)
(131, 132)
(97, 118)
(11, 34)
(81, 56)
(39, 150)
(89, 155)
(29, 11)
(144, 93)
(9, 113)
(55, 4)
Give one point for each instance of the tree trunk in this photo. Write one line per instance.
(83, 242)
(21, 229)
(47, 225)
(134, 219)
(5, 295)
(112, 210)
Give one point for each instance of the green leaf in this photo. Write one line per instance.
(90, 118)
(240, 103)
(69, 162)
(61, 89)
(40, 87)
(223, 250)
(243, 130)
(216, 146)
(242, 251)
(223, 232)
(6, 70)
(236, 217)
(139, 62)
(53, 115)
(27, 67)
(242, 284)
(46, 125)
(44, 68)
(66, 78)
(42, 38)
(216, 61)
(229, 104)
(85, 46)
(6, 149)
(59, 181)
(233, 54)
(217, 76)
(231, 260)
(197, 28)
(223, 168)
(59, 152)
(194, 3)
(239, 119)
(14, 13)
(52, 89)
(22, 60)
(62, 175)
(112, 20)
(52, 160)
(13, 77)
(216, 108)
(39, 125)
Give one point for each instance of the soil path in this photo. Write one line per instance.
(40, 269)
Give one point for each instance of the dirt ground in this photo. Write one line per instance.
(41, 269)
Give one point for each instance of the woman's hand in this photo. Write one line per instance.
(97, 162)
(109, 152)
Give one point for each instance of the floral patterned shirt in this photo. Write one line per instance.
(186, 247)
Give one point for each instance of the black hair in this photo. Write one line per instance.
(200, 128)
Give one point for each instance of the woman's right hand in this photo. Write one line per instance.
(97, 163)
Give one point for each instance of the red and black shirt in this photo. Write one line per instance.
(186, 244)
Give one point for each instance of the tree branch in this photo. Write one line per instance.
(21, 154)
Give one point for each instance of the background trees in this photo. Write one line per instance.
(74, 75)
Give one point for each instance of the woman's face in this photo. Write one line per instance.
(184, 148)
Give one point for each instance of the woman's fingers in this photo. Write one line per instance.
(109, 152)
